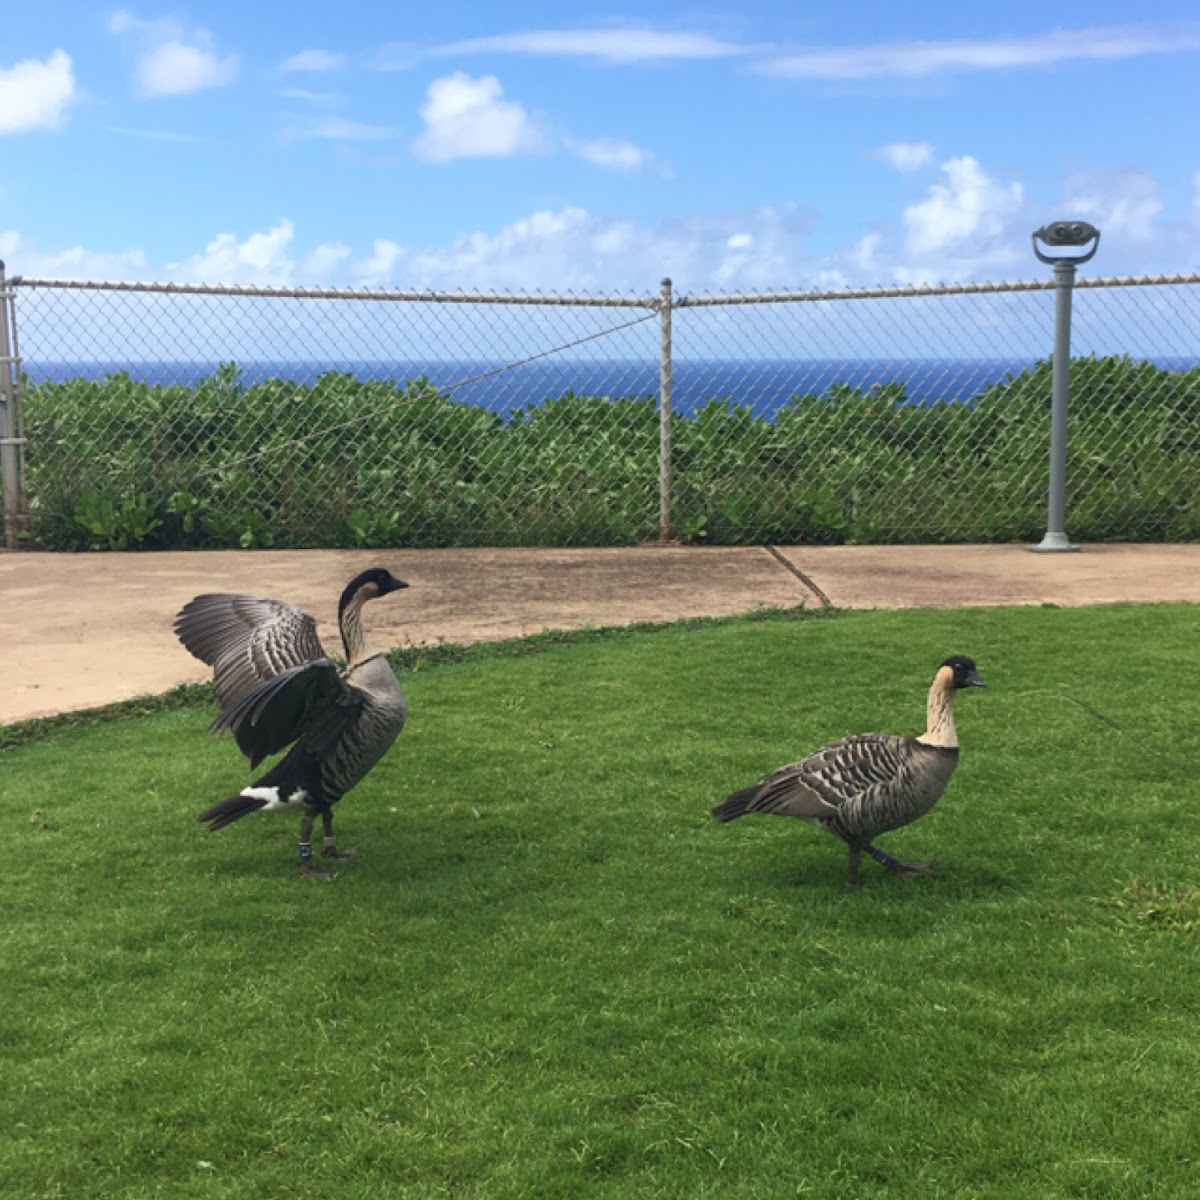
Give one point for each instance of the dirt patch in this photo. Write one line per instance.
(79, 630)
(962, 576)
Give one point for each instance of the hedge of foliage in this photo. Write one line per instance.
(343, 462)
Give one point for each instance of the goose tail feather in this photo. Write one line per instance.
(225, 812)
(736, 805)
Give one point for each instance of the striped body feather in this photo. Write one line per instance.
(857, 787)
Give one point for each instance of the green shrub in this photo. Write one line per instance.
(347, 462)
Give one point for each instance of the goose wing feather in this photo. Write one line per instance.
(819, 785)
(247, 640)
(310, 700)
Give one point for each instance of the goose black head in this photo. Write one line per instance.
(369, 585)
(965, 674)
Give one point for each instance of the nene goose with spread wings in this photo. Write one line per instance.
(278, 688)
(864, 785)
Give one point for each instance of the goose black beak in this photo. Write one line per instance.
(393, 586)
(975, 681)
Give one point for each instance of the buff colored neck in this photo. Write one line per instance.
(354, 638)
(939, 719)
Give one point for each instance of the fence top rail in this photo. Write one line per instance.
(653, 302)
(328, 293)
(929, 289)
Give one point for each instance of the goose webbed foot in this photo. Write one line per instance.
(310, 868)
(902, 870)
(911, 870)
(312, 871)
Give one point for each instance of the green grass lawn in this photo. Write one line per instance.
(551, 974)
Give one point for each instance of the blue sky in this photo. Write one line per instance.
(581, 148)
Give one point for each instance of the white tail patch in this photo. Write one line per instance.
(272, 801)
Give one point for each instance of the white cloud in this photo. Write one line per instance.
(968, 225)
(1124, 205)
(917, 59)
(573, 249)
(969, 206)
(864, 254)
(122, 21)
(171, 59)
(75, 262)
(340, 129)
(617, 45)
(379, 267)
(567, 249)
(295, 93)
(972, 226)
(35, 94)
(466, 117)
(325, 262)
(611, 152)
(175, 68)
(487, 260)
(314, 60)
(271, 259)
(906, 156)
(261, 258)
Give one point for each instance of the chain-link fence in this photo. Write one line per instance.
(192, 415)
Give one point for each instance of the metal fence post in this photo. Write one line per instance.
(664, 416)
(1061, 233)
(10, 443)
(1060, 392)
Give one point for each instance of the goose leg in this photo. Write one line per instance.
(307, 866)
(852, 883)
(330, 850)
(901, 870)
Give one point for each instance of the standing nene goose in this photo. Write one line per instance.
(862, 786)
(277, 688)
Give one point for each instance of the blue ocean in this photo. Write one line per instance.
(764, 385)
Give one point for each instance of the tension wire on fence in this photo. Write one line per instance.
(376, 410)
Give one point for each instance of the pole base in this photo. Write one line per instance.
(1053, 543)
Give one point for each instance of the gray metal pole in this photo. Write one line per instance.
(10, 456)
(1056, 518)
(664, 416)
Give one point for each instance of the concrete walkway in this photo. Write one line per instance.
(79, 630)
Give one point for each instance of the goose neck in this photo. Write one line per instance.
(939, 712)
(354, 638)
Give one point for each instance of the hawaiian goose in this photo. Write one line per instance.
(277, 687)
(862, 786)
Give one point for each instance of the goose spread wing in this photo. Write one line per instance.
(819, 785)
(247, 640)
(310, 700)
